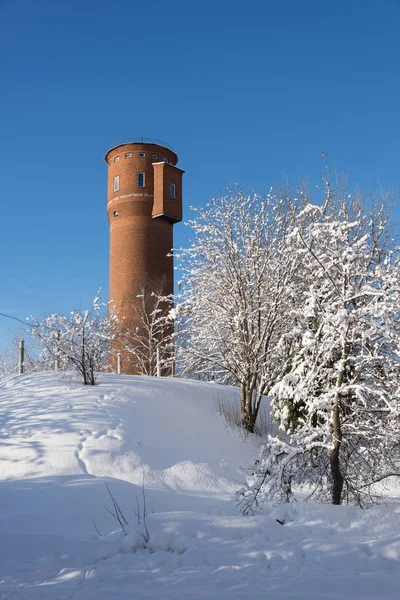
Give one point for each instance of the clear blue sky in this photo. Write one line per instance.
(245, 91)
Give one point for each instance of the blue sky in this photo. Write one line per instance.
(247, 92)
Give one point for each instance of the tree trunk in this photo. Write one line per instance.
(260, 392)
(243, 405)
(246, 407)
(337, 476)
(83, 361)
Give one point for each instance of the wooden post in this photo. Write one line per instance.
(158, 361)
(21, 357)
(173, 367)
(119, 363)
(57, 361)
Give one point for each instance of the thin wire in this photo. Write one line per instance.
(19, 320)
(26, 323)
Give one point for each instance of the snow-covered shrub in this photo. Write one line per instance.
(151, 341)
(236, 292)
(338, 401)
(78, 341)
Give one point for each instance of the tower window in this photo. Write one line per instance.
(140, 179)
(166, 160)
(116, 159)
(128, 155)
(154, 156)
(172, 191)
(142, 154)
(116, 183)
(115, 213)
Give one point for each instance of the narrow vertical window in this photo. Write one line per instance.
(172, 191)
(140, 180)
(116, 183)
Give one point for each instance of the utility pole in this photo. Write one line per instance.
(119, 363)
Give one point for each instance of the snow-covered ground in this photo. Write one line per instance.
(61, 442)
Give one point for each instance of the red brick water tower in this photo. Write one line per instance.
(144, 201)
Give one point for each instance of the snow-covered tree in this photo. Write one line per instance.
(152, 338)
(236, 291)
(78, 341)
(338, 400)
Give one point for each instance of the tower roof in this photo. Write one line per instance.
(140, 141)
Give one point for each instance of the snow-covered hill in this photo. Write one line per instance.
(62, 442)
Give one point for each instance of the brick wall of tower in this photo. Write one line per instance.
(139, 240)
(164, 175)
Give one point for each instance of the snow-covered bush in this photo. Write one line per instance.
(236, 291)
(338, 401)
(78, 341)
(151, 342)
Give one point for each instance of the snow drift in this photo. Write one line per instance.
(62, 442)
